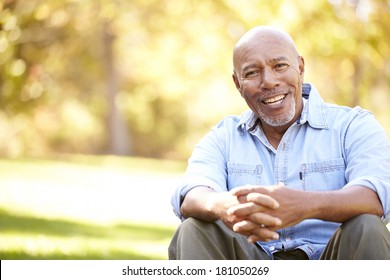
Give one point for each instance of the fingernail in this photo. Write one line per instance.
(278, 222)
(275, 236)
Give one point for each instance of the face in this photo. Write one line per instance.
(269, 75)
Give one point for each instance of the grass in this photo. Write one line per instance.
(24, 237)
(87, 208)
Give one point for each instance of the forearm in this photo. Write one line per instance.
(194, 204)
(341, 205)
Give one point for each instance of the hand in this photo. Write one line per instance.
(208, 205)
(266, 209)
(253, 219)
(218, 205)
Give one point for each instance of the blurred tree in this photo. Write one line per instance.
(46, 104)
(61, 94)
(119, 140)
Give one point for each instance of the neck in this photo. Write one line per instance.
(274, 134)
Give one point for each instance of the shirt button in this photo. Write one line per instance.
(272, 248)
(288, 238)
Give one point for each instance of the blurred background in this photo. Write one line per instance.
(101, 103)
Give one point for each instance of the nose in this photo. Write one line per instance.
(269, 79)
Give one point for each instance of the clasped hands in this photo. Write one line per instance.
(263, 210)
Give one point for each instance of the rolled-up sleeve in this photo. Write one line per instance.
(367, 151)
(206, 167)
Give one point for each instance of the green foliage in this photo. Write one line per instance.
(71, 70)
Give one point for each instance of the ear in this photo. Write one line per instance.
(301, 62)
(236, 81)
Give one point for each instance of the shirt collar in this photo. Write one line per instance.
(312, 111)
(248, 121)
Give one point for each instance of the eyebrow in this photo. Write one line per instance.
(278, 59)
(272, 60)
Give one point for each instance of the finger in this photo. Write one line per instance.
(263, 200)
(245, 226)
(243, 190)
(255, 220)
(244, 209)
(265, 219)
(254, 238)
(242, 199)
(263, 234)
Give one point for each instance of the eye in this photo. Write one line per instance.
(251, 74)
(281, 66)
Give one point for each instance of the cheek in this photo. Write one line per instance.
(251, 102)
(247, 89)
(248, 97)
(295, 76)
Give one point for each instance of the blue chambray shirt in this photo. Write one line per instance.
(329, 147)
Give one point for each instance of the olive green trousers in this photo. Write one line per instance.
(364, 237)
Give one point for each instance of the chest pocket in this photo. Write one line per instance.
(242, 174)
(323, 175)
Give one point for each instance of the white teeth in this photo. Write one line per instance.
(274, 99)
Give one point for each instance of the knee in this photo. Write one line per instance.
(365, 223)
(189, 233)
(196, 227)
(193, 225)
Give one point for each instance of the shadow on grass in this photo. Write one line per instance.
(13, 224)
(113, 255)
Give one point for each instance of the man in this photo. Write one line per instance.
(291, 178)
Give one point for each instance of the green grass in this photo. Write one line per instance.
(26, 237)
(86, 208)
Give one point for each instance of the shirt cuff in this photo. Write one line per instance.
(180, 193)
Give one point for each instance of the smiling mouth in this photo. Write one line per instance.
(274, 100)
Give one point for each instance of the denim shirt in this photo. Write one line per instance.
(329, 147)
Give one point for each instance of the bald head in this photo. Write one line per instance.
(262, 36)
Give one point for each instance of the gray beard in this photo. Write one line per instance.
(279, 121)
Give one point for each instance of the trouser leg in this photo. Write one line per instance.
(199, 240)
(363, 237)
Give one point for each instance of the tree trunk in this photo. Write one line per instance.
(118, 138)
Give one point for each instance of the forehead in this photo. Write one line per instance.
(267, 51)
(264, 48)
